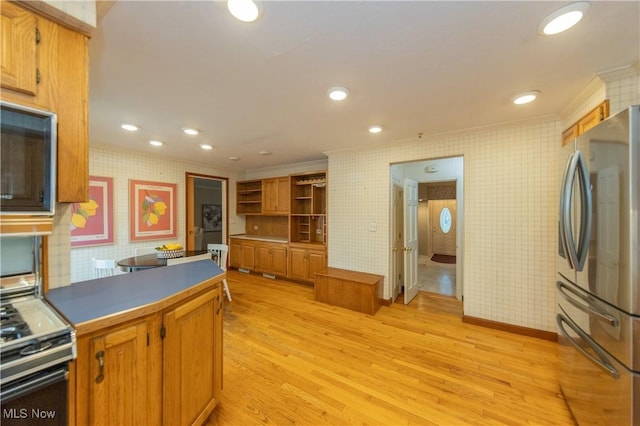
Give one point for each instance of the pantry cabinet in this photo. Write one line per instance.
(163, 368)
(271, 258)
(45, 66)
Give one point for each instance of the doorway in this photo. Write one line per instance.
(206, 211)
(439, 224)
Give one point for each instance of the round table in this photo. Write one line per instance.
(148, 261)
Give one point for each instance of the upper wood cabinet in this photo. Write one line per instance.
(20, 37)
(588, 121)
(50, 74)
(275, 195)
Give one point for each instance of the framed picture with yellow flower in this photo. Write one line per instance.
(92, 222)
(152, 210)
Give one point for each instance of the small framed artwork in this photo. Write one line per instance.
(92, 222)
(211, 217)
(152, 210)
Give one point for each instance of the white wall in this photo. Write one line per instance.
(511, 179)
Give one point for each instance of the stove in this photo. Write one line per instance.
(36, 345)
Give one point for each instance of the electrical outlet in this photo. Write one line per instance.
(255, 227)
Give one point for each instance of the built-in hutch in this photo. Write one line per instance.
(286, 226)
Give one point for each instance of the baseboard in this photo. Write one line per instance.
(386, 302)
(516, 329)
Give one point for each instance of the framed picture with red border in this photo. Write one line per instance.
(152, 210)
(92, 222)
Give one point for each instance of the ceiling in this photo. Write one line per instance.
(414, 67)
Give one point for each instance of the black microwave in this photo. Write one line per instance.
(28, 160)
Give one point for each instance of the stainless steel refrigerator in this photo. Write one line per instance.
(598, 293)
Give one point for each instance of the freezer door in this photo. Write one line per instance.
(606, 206)
(597, 388)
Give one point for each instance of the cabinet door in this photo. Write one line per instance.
(298, 263)
(317, 263)
(248, 258)
(73, 118)
(19, 52)
(118, 379)
(276, 196)
(263, 258)
(192, 357)
(279, 259)
(235, 253)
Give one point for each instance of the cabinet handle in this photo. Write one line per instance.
(219, 305)
(100, 358)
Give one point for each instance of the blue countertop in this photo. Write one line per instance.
(90, 300)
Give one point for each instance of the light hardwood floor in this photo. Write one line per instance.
(291, 360)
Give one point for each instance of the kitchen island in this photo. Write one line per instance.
(144, 336)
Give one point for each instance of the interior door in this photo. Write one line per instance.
(190, 212)
(410, 240)
(443, 222)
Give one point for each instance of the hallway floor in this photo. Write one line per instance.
(435, 277)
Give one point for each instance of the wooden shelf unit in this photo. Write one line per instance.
(308, 217)
(249, 197)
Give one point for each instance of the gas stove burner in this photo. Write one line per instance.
(12, 326)
(9, 332)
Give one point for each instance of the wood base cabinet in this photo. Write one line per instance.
(271, 258)
(165, 368)
(241, 253)
(305, 262)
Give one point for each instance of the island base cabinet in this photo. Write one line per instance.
(162, 369)
(118, 384)
(190, 384)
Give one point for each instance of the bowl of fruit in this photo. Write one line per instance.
(170, 251)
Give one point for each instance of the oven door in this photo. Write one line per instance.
(40, 398)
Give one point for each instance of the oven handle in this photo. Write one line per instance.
(32, 385)
(602, 362)
(590, 310)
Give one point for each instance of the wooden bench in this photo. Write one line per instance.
(358, 291)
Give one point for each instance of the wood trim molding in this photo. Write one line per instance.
(516, 329)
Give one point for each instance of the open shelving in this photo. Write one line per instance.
(249, 197)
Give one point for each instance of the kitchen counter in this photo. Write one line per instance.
(93, 304)
(260, 238)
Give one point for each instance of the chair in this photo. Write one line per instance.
(141, 251)
(103, 267)
(219, 252)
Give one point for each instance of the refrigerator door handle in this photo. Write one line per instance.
(590, 309)
(566, 235)
(601, 361)
(585, 210)
(576, 168)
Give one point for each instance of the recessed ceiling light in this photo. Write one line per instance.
(375, 129)
(338, 93)
(264, 152)
(563, 18)
(156, 143)
(234, 158)
(190, 131)
(526, 97)
(206, 146)
(130, 127)
(244, 10)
